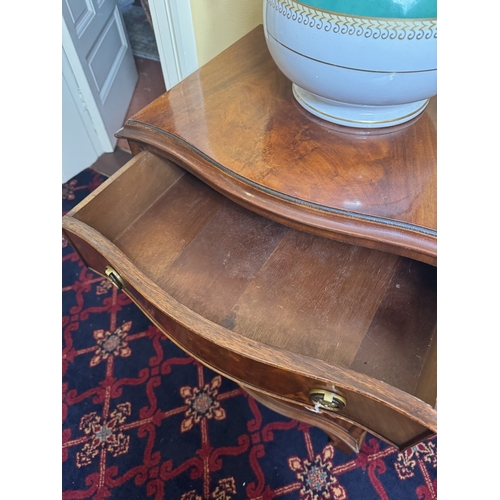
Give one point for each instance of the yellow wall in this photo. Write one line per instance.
(220, 23)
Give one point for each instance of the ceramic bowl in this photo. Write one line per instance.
(359, 63)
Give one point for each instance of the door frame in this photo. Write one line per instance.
(175, 39)
(174, 33)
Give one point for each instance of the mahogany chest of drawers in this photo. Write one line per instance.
(294, 256)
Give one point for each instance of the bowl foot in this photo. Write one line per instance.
(354, 115)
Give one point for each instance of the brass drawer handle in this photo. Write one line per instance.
(327, 400)
(114, 277)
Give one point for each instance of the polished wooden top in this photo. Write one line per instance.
(235, 124)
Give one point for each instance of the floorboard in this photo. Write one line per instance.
(149, 86)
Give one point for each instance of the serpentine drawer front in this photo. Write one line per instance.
(336, 332)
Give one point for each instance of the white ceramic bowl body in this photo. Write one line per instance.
(354, 70)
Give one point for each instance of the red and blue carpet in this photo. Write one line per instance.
(141, 419)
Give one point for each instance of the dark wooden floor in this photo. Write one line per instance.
(150, 86)
(109, 163)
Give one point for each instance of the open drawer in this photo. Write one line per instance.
(287, 314)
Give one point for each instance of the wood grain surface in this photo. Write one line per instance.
(235, 124)
(271, 307)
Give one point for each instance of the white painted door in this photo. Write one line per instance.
(80, 143)
(98, 50)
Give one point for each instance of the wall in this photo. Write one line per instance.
(219, 23)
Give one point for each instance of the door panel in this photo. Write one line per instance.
(100, 41)
(82, 12)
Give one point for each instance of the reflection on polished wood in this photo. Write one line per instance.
(235, 125)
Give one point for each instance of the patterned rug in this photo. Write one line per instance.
(141, 419)
(140, 33)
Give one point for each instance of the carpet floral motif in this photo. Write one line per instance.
(143, 420)
(103, 287)
(411, 458)
(202, 403)
(316, 476)
(223, 491)
(111, 343)
(68, 190)
(103, 435)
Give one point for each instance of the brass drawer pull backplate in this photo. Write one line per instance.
(114, 277)
(327, 400)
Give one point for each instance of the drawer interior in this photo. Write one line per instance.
(362, 309)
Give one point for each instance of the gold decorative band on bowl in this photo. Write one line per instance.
(369, 27)
(349, 68)
(339, 119)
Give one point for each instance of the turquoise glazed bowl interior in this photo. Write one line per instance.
(401, 9)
